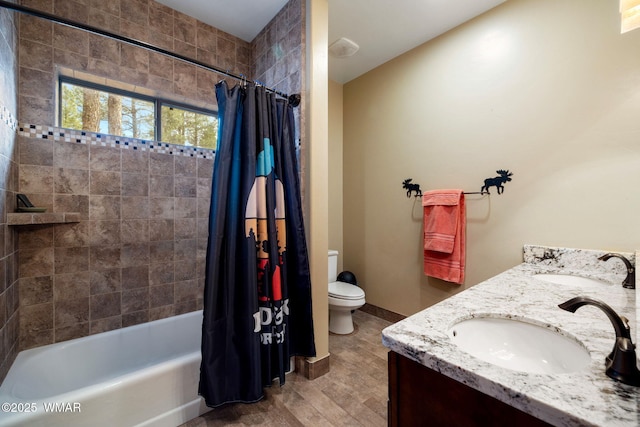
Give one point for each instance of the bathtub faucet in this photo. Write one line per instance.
(621, 363)
(629, 281)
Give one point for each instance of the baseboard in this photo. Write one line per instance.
(312, 369)
(382, 313)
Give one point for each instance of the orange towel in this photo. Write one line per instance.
(444, 234)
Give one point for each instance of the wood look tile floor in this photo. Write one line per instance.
(353, 393)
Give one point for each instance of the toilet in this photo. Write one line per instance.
(343, 299)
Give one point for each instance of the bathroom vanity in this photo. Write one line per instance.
(433, 381)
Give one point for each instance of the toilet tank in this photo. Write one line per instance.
(333, 266)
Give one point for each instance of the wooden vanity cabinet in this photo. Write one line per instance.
(419, 396)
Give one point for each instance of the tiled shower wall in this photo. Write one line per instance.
(137, 254)
(45, 48)
(278, 51)
(9, 323)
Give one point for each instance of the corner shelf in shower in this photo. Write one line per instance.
(27, 218)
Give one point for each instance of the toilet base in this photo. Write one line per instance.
(340, 322)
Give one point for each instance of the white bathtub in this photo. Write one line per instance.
(142, 375)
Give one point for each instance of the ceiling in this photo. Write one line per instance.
(242, 18)
(383, 29)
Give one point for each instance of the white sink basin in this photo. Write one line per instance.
(518, 345)
(570, 280)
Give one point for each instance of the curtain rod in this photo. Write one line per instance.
(294, 99)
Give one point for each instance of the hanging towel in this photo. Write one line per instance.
(444, 234)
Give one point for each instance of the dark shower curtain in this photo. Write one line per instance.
(257, 296)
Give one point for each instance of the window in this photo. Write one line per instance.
(102, 109)
(185, 126)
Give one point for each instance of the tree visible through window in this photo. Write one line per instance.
(98, 109)
(180, 126)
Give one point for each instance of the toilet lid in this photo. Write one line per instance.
(345, 291)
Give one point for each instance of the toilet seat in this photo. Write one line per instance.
(345, 291)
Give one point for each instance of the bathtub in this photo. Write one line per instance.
(142, 375)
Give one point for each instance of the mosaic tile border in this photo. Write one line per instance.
(8, 118)
(99, 139)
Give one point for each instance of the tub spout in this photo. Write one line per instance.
(621, 364)
(630, 280)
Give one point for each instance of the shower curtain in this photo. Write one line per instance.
(257, 296)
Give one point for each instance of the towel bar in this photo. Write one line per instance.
(498, 181)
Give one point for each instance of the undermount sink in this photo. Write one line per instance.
(519, 345)
(570, 280)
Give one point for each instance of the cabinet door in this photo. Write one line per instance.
(419, 396)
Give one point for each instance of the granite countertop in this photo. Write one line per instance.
(583, 398)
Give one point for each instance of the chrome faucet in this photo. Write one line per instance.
(630, 280)
(621, 363)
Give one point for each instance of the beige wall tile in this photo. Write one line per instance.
(135, 230)
(185, 207)
(36, 29)
(161, 250)
(161, 274)
(160, 164)
(71, 181)
(105, 281)
(104, 232)
(104, 207)
(36, 290)
(105, 21)
(161, 207)
(105, 305)
(161, 295)
(70, 312)
(135, 300)
(73, 203)
(185, 186)
(161, 19)
(135, 277)
(185, 270)
(36, 179)
(136, 11)
(112, 6)
(71, 260)
(135, 254)
(36, 262)
(76, 11)
(104, 257)
(135, 161)
(185, 249)
(70, 39)
(135, 207)
(37, 317)
(185, 30)
(36, 55)
(135, 318)
(70, 155)
(106, 324)
(135, 184)
(104, 159)
(71, 235)
(71, 286)
(70, 332)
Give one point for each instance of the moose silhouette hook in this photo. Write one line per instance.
(407, 185)
(498, 181)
